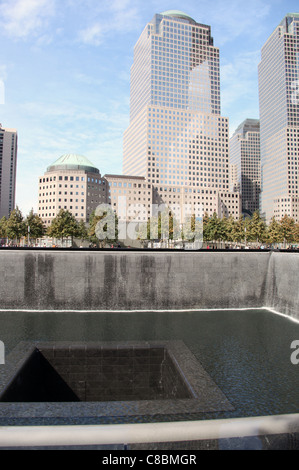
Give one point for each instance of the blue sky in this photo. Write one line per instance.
(65, 70)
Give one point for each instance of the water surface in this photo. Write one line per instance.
(246, 352)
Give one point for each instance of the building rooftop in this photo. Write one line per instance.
(73, 161)
(252, 125)
(178, 14)
(7, 129)
(125, 177)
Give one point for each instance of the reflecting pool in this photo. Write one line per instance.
(246, 352)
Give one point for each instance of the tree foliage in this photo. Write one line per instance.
(252, 230)
(103, 227)
(82, 231)
(3, 231)
(257, 229)
(214, 229)
(64, 225)
(163, 226)
(274, 232)
(35, 225)
(287, 226)
(15, 225)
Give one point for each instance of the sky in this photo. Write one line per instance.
(65, 73)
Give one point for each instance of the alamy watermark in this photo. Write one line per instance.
(2, 353)
(175, 222)
(295, 354)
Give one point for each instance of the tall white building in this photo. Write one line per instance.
(279, 119)
(177, 138)
(8, 166)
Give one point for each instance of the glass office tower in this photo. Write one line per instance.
(177, 138)
(176, 66)
(8, 168)
(245, 154)
(279, 119)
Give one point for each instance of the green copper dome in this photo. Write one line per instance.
(178, 14)
(73, 161)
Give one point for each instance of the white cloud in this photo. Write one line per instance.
(88, 80)
(238, 18)
(92, 35)
(116, 15)
(22, 18)
(66, 113)
(239, 77)
(239, 88)
(125, 15)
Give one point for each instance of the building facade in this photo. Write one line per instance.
(131, 197)
(245, 156)
(177, 139)
(8, 166)
(72, 183)
(279, 119)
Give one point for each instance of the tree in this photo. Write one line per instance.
(168, 226)
(3, 227)
(63, 226)
(257, 229)
(144, 231)
(82, 231)
(103, 226)
(274, 232)
(161, 226)
(35, 225)
(228, 228)
(205, 222)
(93, 220)
(287, 226)
(238, 230)
(296, 232)
(15, 226)
(214, 228)
(193, 230)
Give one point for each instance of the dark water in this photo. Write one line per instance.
(247, 353)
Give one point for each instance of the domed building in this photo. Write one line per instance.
(178, 14)
(72, 183)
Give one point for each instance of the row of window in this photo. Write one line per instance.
(54, 215)
(128, 185)
(71, 178)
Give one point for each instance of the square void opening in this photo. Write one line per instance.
(97, 374)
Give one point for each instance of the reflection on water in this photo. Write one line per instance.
(247, 353)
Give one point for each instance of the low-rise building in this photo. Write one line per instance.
(72, 183)
(131, 197)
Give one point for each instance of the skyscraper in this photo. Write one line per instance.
(244, 153)
(8, 164)
(279, 119)
(177, 138)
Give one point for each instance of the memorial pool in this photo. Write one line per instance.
(246, 352)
